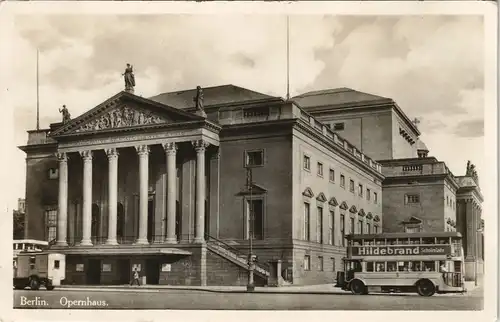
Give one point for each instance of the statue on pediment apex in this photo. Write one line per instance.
(472, 172)
(129, 78)
(198, 99)
(65, 114)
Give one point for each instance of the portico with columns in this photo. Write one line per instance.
(136, 177)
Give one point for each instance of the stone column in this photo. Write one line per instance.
(171, 152)
(87, 198)
(214, 193)
(143, 152)
(62, 216)
(112, 195)
(200, 147)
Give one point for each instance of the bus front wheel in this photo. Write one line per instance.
(425, 288)
(358, 287)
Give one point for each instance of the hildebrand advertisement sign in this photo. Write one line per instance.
(400, 250)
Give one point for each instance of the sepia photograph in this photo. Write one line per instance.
(318, 161)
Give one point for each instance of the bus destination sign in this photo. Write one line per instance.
(400, 250)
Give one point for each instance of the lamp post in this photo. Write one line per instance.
(251, 265)
(479, 230)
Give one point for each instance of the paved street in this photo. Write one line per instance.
(203, 300)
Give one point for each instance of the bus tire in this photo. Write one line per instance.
(34, 284)
(19, 286)
(49, 287)
(357, 287)
(425, 288)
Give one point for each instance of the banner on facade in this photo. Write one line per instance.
(400, 250)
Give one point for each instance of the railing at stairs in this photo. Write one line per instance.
(234, 255)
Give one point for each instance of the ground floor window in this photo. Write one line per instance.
(51, 224)
(307, 263)
(255, 209)
(320, 263)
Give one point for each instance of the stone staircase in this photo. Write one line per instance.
(235, 256)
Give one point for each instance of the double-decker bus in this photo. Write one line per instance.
(426, 263)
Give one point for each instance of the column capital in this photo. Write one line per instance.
(170, 147)
(142, 149)
(111, 153)
(86, 154)
(200, 145)
(62, 156)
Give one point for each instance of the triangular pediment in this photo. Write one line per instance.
(333, 202)
(361, 212)
(124, 111)
(376, 218)
(413, 220)
(353, 209)
(308, 193)
(369, 215)
(255, 190)
(344, 205)
(321, 197)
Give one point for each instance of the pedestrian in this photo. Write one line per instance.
(135, 278)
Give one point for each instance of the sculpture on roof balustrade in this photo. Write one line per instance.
(129, 78)
(471, 172)
(65, 114)
(198, 99)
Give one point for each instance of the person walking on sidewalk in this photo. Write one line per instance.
(135, 278)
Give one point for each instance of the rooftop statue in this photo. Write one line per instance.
(129, 78)
(65, 114)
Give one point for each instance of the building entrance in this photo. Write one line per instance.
(93, 272)
(152, 271)
(124, 271)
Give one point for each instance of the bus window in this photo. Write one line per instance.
(391, 266)
(442, 241)
(414, 240)
(403, 241)
(428, 241)
(416, 267)
(356, 243)
(404, 266)
(369, 266)
(457, 266)
(380, 266)
(380, 242)
(391, 241)
(368, 242)
(430, 266)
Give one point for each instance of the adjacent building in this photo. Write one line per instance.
(175, 189)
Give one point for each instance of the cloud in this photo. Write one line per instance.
(470, 129)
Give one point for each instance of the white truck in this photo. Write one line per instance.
(34, 269)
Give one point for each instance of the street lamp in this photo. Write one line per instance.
(251, 257)
(479, 230)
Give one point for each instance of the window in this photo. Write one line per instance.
(255, 209)
(51, 221)
(338, 126)
(375, 197)
(375, 229)
(352, 225)
(342, 181)
(360, 190)
(307, 216)
(351, 186)
(307, 162)
(254, 158)
(369, 266)
(391, 266)
(360, 226)
(53, 173)
(429, 266)
(320, 169)
(332, 175)
(32, 262)
(319, 226)
(368, 228)
(79, 267)
(333, 264)
(320, 263)
(412, 199)
(342, 228)
(330, 227)
(412, 228)
(307, 263)
(56, 264)
(368, 194)
(380, 266)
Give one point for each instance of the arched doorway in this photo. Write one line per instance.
(120, 222)
(96, 223)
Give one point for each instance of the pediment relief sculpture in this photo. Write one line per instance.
(321, 197)
(353, 209)
(119, 118)
(369, 215)
(376, 218)
(333, 202)
(344, 205)
(361, 213)
(308, 193)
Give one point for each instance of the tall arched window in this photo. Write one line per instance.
(96, 220)
(120, 221)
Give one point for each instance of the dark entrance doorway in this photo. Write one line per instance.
(124, 271)
(93, 272)
(151, 219)
(152, 271)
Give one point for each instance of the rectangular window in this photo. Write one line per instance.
(369, 266)
(412, 228)
(368, 228)
(368, 194)
(342, 229)
(360, 190)
(342, 181)
(352, 225)
(375, 197)
(255, 209)
(331, 219)
(380, 267)
(333, 264)
(307, 263)
(375, 229)
(360, 226)
(332, 175)
(412, 199)
(307, 216)
(32, 262)
(319, 226)
(320, 263)
(56, 264)
(320, 169)
(254, 158)
(338, 126)
(53, 173)
(307, 162)
(51, 224)
(351, 186)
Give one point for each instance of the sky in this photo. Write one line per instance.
(432, 66)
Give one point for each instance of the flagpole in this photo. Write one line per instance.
(37, 92)
(287, 58)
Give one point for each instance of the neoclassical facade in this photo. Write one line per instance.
(160, 185)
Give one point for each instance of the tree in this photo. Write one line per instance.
(18, 225)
